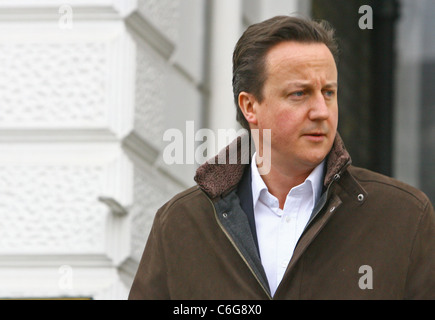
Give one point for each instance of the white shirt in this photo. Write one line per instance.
(279, 230)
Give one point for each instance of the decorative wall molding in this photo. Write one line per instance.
(55, 260)
(50, 197)
(17, 135)
(89, 276)
(142, 28)
(48, 10)
(58, 82)
(133, 143)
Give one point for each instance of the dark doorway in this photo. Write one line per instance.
(365, 78)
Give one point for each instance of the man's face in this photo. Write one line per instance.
(299, 104)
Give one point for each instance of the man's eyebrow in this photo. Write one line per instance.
(304, 84)
(331, 85)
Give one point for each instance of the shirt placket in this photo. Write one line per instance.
(287, 234)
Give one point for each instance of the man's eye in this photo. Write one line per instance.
(329, 93)
(298, 94)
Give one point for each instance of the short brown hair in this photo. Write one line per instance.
(249, 72)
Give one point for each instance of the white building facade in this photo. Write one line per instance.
(87, 90)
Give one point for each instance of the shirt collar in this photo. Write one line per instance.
(258, 184)
(315, 178)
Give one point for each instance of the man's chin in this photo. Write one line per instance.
(313, 160)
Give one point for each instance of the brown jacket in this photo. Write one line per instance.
(369, 237)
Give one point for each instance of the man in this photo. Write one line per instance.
(312, 226)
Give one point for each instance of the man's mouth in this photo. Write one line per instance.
(315, 136)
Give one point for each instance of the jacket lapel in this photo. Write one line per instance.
(245, 195)
(234, 222)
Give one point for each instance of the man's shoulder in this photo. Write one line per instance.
(389, 188)
(187, 202)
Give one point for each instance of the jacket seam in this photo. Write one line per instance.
(176, 200)
(157, 239)
(413, 245)
(422, 203)
(164, 210)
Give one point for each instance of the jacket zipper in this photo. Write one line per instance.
(237, 249)
(327, 196)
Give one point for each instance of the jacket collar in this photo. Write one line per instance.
(217, 179)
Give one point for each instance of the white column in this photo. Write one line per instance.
(226, 28)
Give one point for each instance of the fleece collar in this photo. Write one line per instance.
(217, 179)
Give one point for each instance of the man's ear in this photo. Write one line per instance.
(248, 105)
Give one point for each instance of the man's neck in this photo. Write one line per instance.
(280, 182)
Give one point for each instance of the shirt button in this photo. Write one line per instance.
(284, 264)
(288, 219)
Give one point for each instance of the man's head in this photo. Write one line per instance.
(285, 80)
(249, 56)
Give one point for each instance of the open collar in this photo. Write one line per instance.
(217, 179)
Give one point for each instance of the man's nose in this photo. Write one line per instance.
(318, 108)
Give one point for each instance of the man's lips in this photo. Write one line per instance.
(315, 136)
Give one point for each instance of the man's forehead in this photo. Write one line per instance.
(302, 62)
(290, 52)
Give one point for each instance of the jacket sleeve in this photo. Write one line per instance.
(150, 282)
(421, 273)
